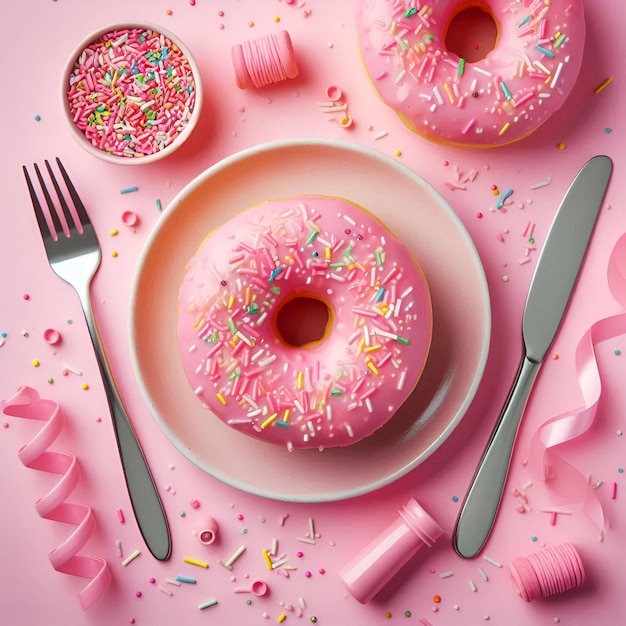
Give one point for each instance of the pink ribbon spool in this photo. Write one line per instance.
(550, 571)
(264, 61)
(206, 531)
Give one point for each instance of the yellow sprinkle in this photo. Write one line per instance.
(371, 365)
(603, 85)
(398, 153)
(84, 386)
(269, 420)
(448, 90)
(36, 363)
(114, 232)
(114, 253)
(286, 415)
(299, 384)
(268, 561)
(221, 398)
(328, 253)
(373, 348)
(504, 128)
(561, 145)
(276, 18)
(313, 226)
(231, 301)
(281, 618)
(195, 562)
(360, 347)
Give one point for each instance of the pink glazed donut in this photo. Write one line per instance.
(304, 322)
(474, 74)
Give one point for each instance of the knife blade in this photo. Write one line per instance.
(550, 290)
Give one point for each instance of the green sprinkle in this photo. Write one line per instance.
(312, 237)
(336, 392)
(336, 266)
(231, 325)
(275, 290)
(207, 604)
(347, 251)
(410, 12)
(248, 602)
(406, 342)
(461, 67)
(379, 257)
(253, 308)
(407, 614)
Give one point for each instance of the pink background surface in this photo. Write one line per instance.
(41, 34)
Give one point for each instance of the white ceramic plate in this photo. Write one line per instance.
(411, 209)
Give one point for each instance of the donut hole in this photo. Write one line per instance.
(303, 320)
(472, 33)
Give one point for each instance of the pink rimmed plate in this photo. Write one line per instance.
(409, 207)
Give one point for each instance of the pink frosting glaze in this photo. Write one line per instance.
(332, 391)
(490, 102)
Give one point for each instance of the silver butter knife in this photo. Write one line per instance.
(550, 290)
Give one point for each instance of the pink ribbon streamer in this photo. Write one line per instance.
(26, 403)
(566, 483)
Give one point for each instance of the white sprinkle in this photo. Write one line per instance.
(349, 219)
(306, 540)
(228, 564)
(472, 586)
(171, 581)
(480, 70)
(311, 528)
(302, 603)
(118, 547)
(71, 369)
(483, 574)
(130, 558)
(380, 135)
(492, 561)
(165, 591)
(542, 183)
(446, 574)
(556, 76)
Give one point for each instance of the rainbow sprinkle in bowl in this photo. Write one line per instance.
(131, 93)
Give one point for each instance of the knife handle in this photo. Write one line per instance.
(482, 501)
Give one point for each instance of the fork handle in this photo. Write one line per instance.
(144, 496)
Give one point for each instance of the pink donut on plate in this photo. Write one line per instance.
(474, 74)
(304, 322)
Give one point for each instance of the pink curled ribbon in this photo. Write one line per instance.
(26, 403)
(571, 484)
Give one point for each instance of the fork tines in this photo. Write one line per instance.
(75, 220)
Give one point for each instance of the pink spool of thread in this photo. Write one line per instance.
(553, 570)
(370, 570)
(206, 531)
(264, 61)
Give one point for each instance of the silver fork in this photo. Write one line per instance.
(74, 255)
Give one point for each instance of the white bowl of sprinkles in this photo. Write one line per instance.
(131, 93)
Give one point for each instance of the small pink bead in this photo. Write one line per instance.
(308, 574)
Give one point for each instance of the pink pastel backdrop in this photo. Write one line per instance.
(40, 35)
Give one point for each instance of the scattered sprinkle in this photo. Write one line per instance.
(207, 604)
(603, 85)
(196, 562)
(130, 558)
